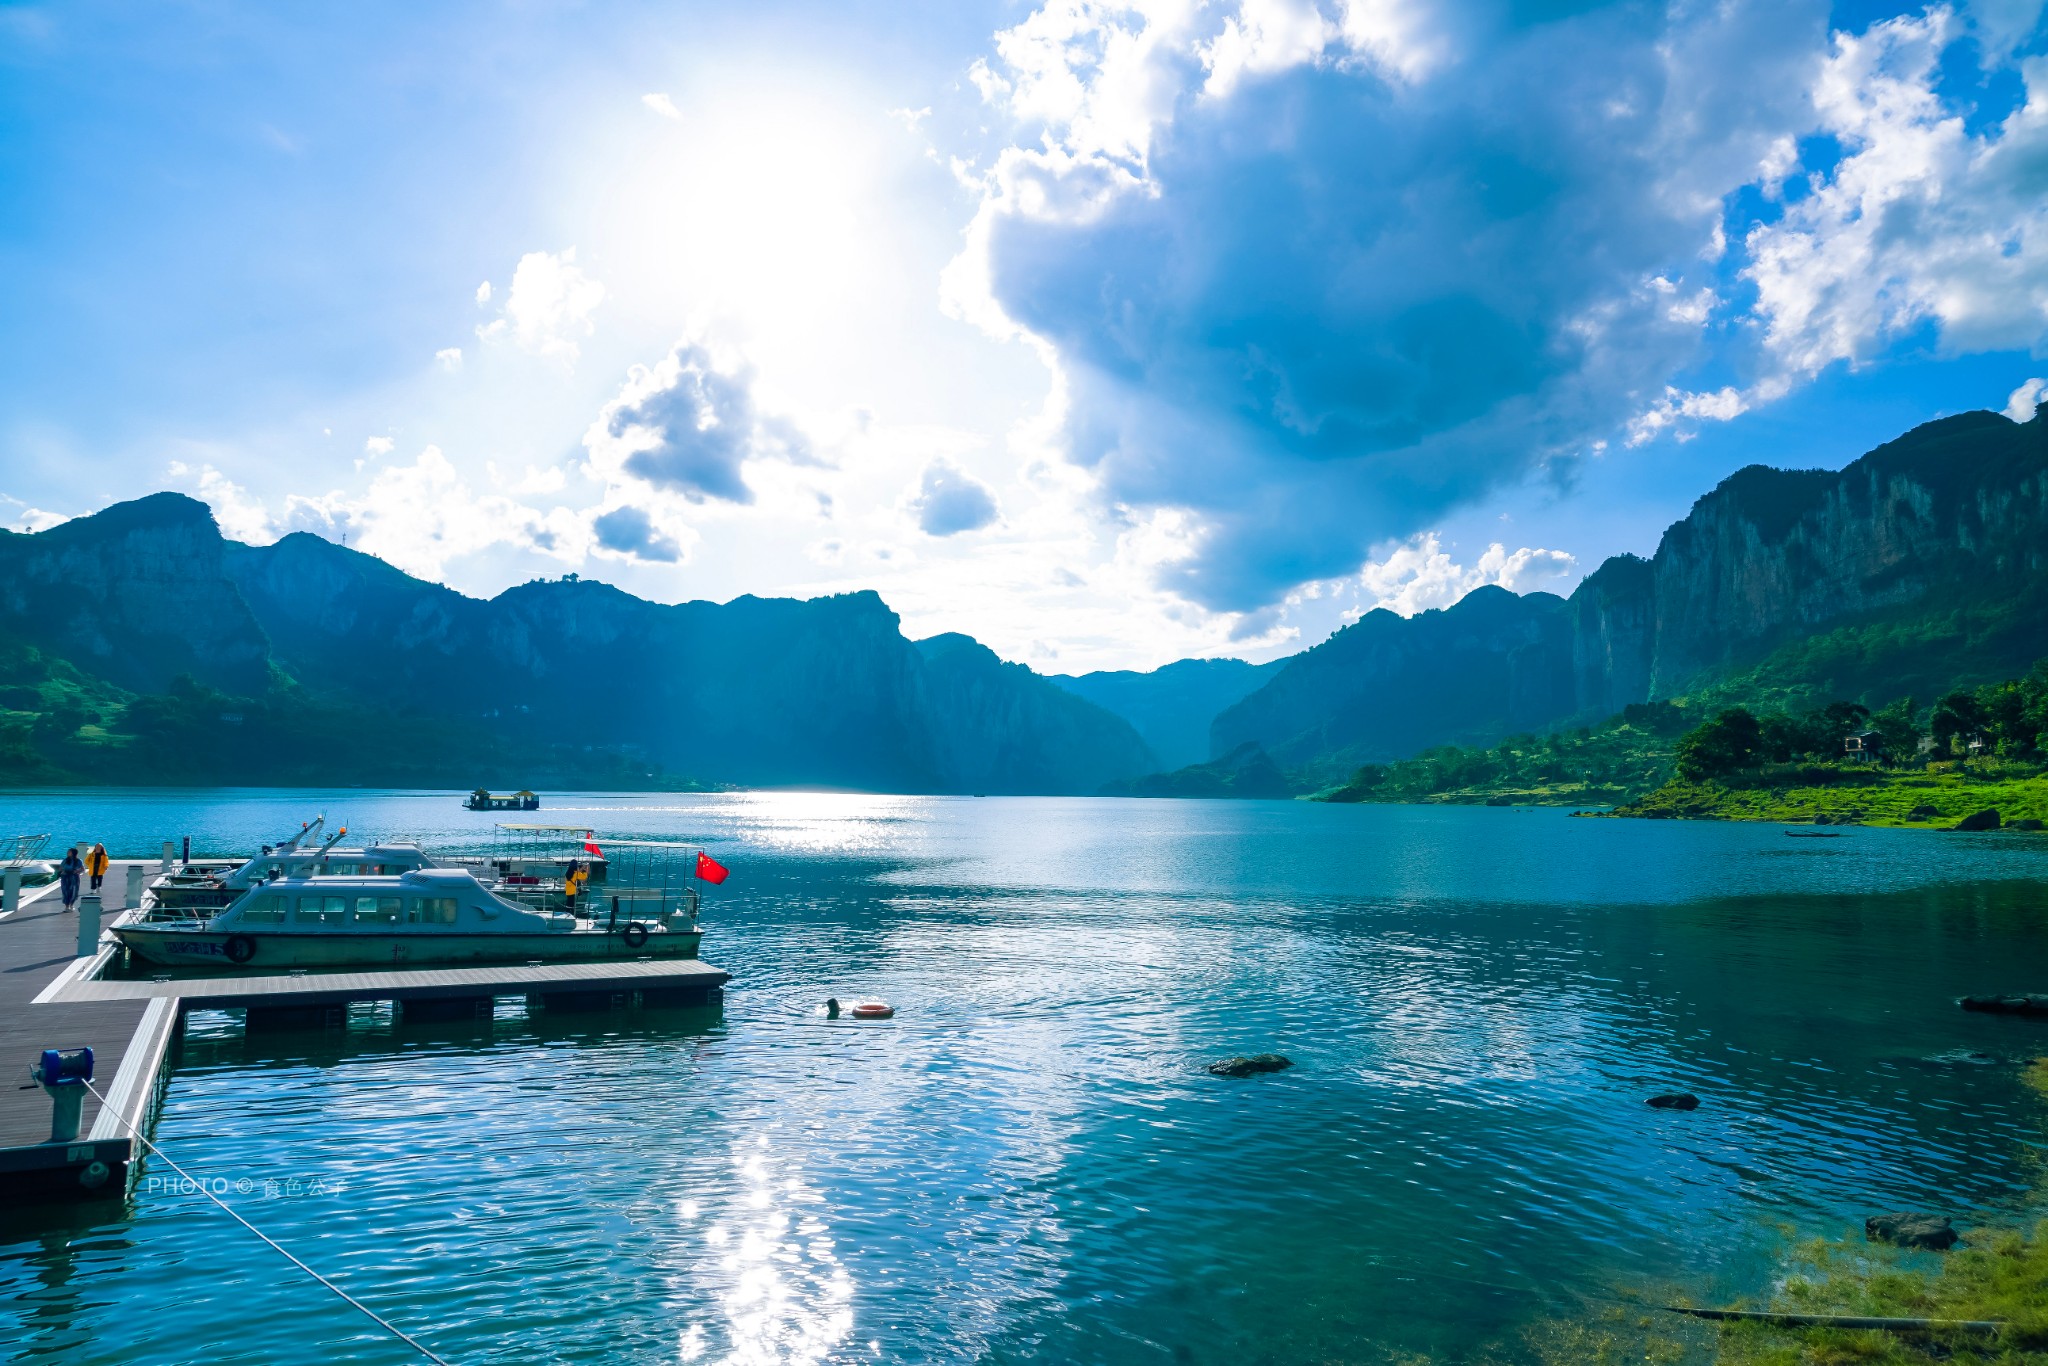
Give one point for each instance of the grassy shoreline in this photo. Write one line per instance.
(1883, 799)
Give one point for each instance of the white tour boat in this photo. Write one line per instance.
(361, 909)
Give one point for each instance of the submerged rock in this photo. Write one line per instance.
(1674, 1100)
(1987, 819)
(2006, 1005)
(1929, 1231)
(1965, 1057)
(1251, 1066)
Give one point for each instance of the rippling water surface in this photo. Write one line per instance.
(1029, 1162)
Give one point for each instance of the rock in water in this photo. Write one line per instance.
(1929, 1231)
(2033, 1004)
(1675, 1100)
(1252, 1066)
(1987, 819)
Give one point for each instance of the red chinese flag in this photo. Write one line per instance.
(592, 850)
(709, 868)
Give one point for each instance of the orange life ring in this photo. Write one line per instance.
(872, 1010)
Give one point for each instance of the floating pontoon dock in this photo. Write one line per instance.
(52, 997)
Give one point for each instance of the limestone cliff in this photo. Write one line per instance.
(1952, 517)
(137, 594)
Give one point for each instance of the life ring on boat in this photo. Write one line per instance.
(240, 948)
(635, 934)
(872, 1010)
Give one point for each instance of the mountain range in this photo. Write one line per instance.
(139, 639)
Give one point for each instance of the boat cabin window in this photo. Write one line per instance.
(378, 910)
(323, 910)
(264, 910)
(432, 910)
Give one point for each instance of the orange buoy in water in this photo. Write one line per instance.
(872, 1010)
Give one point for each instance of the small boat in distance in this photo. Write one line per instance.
(483, 799)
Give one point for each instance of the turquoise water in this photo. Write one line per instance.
(1029, 1162)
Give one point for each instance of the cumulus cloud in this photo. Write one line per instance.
(548, 306)
(688, 425)
(1420, 574)
(630, 531)
(1919, 221)
(377, 445)
(241, 515)
(449, 358)
(424, 515)
(662, 105)
(1313, 276)
(2021, 403)
(1672, 410)
(949, 501)
(28, 517)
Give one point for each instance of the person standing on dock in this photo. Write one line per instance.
(68, 873)
(573, 880)
(96, 865)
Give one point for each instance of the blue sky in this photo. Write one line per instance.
(1108, 334)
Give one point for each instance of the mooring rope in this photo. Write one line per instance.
(382, 1322)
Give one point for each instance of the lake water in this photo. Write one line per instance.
(1029, 1162)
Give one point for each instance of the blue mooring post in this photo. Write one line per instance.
(63, 1073)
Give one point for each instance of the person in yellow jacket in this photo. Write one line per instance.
(572, 883)
(96, 865)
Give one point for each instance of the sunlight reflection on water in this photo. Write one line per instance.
(1030, 1161)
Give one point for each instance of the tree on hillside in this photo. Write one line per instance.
(1957, 719)
(1732, 741)
(1898, 730)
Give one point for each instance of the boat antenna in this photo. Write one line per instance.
(375, 1317)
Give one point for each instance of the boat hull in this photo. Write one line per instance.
(169, 946)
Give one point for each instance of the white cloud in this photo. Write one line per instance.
(2021, 403)
(483, 293)
(948, 501)
(241, 515)
(663, 105)
(31, 518)
(1677, 406)
(687, 425)
(548, 306)
(378, 445)
(423, 516)
(1224, 224)
(1420, 574)
(1919, 222)
(449, 358)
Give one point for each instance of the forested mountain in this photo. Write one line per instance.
(755, 691)
(140, 644)
(1171, 707)
(1918, 568)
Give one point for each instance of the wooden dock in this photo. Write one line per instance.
(51, 997)
(129, 1040)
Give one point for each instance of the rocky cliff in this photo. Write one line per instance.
(137, 594)
(1171, 707)
(757, 691)
(1951, 518)
(1387, 686)
(1002, 728)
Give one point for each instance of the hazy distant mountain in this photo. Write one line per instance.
(1171, 707)
(1916, 568)
(756, 691)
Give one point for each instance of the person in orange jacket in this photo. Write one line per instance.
(96, 865)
